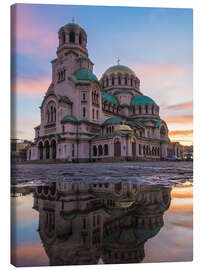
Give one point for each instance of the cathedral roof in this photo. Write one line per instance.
(113, 121)
(119, 91)
(110, 98)
(84, 74)
(69, 118)
(119, 69)
(142, 100)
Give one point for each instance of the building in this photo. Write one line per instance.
(19, 150)
(83, 223)
(85, 119)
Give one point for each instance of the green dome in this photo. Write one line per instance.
(84, 74)
(69, 118)
(113, 121)
(119, 69)
(142, 100)
(110, 98)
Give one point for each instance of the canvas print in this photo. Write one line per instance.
(102, 135)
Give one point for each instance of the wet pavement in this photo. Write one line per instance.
(102, 213)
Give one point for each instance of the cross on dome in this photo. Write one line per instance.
(73, 20)
(118, 61)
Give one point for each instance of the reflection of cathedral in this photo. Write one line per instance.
(81, 223)
(86, 119)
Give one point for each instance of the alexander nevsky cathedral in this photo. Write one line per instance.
(84, 119)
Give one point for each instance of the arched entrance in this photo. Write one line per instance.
(40, 150)
(53, 146)
(117, 148)
(133, 147)
(46, 145)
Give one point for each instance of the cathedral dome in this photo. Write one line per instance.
(142, 100)
(123, 127)
(118, 69)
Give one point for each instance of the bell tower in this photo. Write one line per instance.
(72, 38)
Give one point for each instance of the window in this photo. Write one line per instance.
(63, 37)
(83, 96)
(84, 112)
(80, 38)
(107, 82)
(63, 128)
(146, 109)
(140, 109)
(94, 150)
(126, 81)
(131, 82)
(112, 80)
(84, 223)
(73, 150)
(93, 114)
(119, 80)
(100, 149)
(140, 149)
(97, 115)
(106, 150)
(72, 37)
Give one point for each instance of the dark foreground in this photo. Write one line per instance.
(102, 213)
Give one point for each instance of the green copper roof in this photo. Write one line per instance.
(141, 100)
(84, 58)
(145, 234)
(69, 118)
(84, 74)
(64, 99)
(119, 69)
(125, 105)
(119, 91)
(110, 98)
(113, 121)
(158, 123)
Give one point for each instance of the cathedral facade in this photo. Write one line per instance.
(84, 119)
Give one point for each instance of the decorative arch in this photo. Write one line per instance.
(40, 150)
(72, 37)
(53, 147)
(100, 150)
(163, 132)
(47, 149)
(106, 150)
(117, 147)
(94, 151)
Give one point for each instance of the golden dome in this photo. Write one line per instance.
(118, 69)
(123, 127)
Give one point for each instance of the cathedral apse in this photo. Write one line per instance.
(99, 222)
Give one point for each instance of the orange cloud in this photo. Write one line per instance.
(188, 119)
(30, 86)
(180, 132)
(181, 105)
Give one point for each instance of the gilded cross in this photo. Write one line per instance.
(118, 61)
(73, 20)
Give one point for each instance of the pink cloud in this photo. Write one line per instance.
(31, 34)
(31, 86)
(181, 105)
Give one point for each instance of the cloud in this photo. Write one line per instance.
(181, 105)
(181, 132)
(31, 86)
(187, 119)
(30, 34)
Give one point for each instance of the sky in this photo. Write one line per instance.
(157, 43)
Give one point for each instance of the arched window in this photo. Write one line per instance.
(52, 114)
(80, 38)
(94, 150)
(84, 112)
(144, 150)
(106, 150)
(112, 80)
(113, 129)
(119, 80)
(54, 118)
(146, 108)
(107, 82)
(72, 37)
(48, 116)
(97, 114)
(131, 82)
(126, 81)
(63, 128)
(140, 149)
(100, 150)
(140, 109)
(63, 37)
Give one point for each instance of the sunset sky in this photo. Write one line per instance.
(157, 43)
